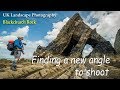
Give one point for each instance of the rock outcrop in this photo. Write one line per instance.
(117, 42)
(49, 71)
(102, 48)
(74, 36)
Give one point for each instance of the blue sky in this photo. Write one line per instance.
(43, 25)
(106, 23)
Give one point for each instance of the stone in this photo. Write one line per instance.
(117, 42)
(72, 39)
(68, 36)
(102, 48)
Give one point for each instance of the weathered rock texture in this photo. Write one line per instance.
(117, 42)
(74, 36)
(65, 71)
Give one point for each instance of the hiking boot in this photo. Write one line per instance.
(12, 53)
(14, 68)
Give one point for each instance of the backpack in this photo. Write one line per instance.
(10, 45)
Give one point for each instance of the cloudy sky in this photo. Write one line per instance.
(106, 23)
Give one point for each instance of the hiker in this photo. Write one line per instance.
(18, 49)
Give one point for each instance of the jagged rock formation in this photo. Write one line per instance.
(74, 36)
(117, 42)
(102, 48)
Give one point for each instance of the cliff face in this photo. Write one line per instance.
(74, 36)
(117, 42)
(68, 36)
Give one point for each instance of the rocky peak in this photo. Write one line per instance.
(73, 37)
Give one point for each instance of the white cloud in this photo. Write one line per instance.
(4, 53)
(0, 38)
(28, 53)
(34, 44)
(87, 50)
(5, 39)
(51, 35)
(21, 31)
(31, 47)
(107, 25)
(4, 32)
(40, 42)
(2, 45)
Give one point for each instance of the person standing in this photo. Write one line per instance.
(18, 49)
